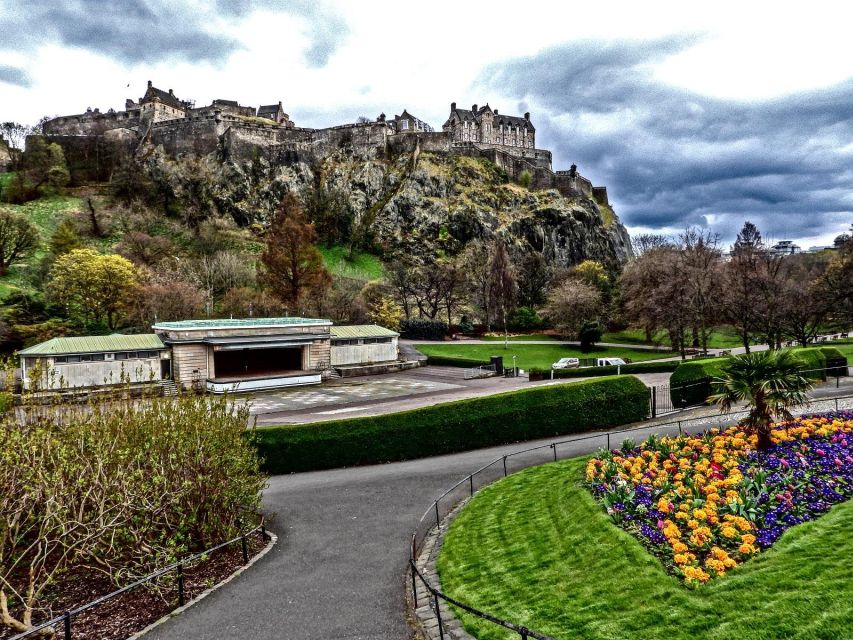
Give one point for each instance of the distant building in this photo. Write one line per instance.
(365, 344)
(276, 113)
(95, 361)
(158, 105)
(407, 123)
(487, 126)
(785, 247)
(230, 107)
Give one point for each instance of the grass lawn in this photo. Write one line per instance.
(363, 266)
(721, 338)
(536, 549)
(533, 355)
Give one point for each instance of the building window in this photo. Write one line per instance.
(405, 124)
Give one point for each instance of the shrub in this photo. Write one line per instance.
(123, 487)
(524, 179)
(690, 383)
(421, 328)
(525, 319)
(455, 426)
(836, 362)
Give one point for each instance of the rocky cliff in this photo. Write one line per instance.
(417, 204)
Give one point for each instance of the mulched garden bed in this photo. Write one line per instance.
(132, 611)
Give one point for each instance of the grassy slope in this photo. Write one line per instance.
(46, 214)
(363, 266)
(527, 337)
(532, 355)
(536, 549)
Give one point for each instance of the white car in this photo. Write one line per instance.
(609, 362)
(566, 363)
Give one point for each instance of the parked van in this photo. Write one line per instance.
(609, 362)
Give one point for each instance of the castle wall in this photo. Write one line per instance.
(93, 158)
(91, 124)
(198, 135)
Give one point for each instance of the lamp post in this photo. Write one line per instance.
(514, 368)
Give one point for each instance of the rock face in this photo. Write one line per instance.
(424, 204)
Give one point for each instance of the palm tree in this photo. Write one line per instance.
(769, 382)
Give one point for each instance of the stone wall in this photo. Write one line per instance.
(91, 124)
(5, 156)
(93, 158)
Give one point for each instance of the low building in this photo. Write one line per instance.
(407, 123)
(247, 354)
(95, 361)
(360, 345)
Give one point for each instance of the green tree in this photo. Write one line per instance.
(65, 238)
(292, 266)
(93, 286)
(769, 382)
(18, 239)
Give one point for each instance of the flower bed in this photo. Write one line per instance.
(705, 504)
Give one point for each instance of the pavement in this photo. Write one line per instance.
(389, 393)
(338, 571)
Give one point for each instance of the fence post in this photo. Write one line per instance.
(263, 531)
(438, 617)
(66, 622)
(608, 442)
(679, 428)
(654, 402)
(437, 518)
(471, 482)
(504, 466)
(180, 584)
(245, 548)
(523, 633)
(554, 447)
(414, 587)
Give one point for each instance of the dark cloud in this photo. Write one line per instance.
(669, 157)
(150, 31)
(14, 75)
(131, 30)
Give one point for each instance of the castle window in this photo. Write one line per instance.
(405, 124)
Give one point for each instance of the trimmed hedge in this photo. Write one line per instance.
(836, 361)
(651, 366)
(690, 383)
(453, 361)
(419, 328)
(454, 426)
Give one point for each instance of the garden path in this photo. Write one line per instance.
(338, 572)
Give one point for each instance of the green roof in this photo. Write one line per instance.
(94, 344)
(362, 331)
(237, 323)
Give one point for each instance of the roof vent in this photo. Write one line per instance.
(474, 108)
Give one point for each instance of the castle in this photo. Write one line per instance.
(161, 119)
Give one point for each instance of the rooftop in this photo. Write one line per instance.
(237, 323)
(94, 344)
(362, 331)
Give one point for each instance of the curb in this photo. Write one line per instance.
(207, 592)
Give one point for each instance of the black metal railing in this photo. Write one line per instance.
(63, 624)
(514, 461)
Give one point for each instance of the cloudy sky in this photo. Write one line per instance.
(709, 117)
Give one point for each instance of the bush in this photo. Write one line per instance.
(122, 486)
(814, 361)
(525, 319)
(419, 328)
(455, 426)
(690, 383)
(836, 362)
(453, 361)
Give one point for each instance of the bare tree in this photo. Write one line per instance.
(502, 287)
(572, 304)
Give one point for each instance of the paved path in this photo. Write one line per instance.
(338, 571)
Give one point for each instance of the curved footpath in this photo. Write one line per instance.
(338, 571)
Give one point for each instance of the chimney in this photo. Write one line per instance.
(279, 103)
(527, 116)
(170, 93)
(149, 84)
(453, 106)
(496, 112)
(474, 108)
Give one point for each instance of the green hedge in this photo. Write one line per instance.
(690, 383)
(452, 361)
(651, 366)
(836, 361)
(538, 412)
